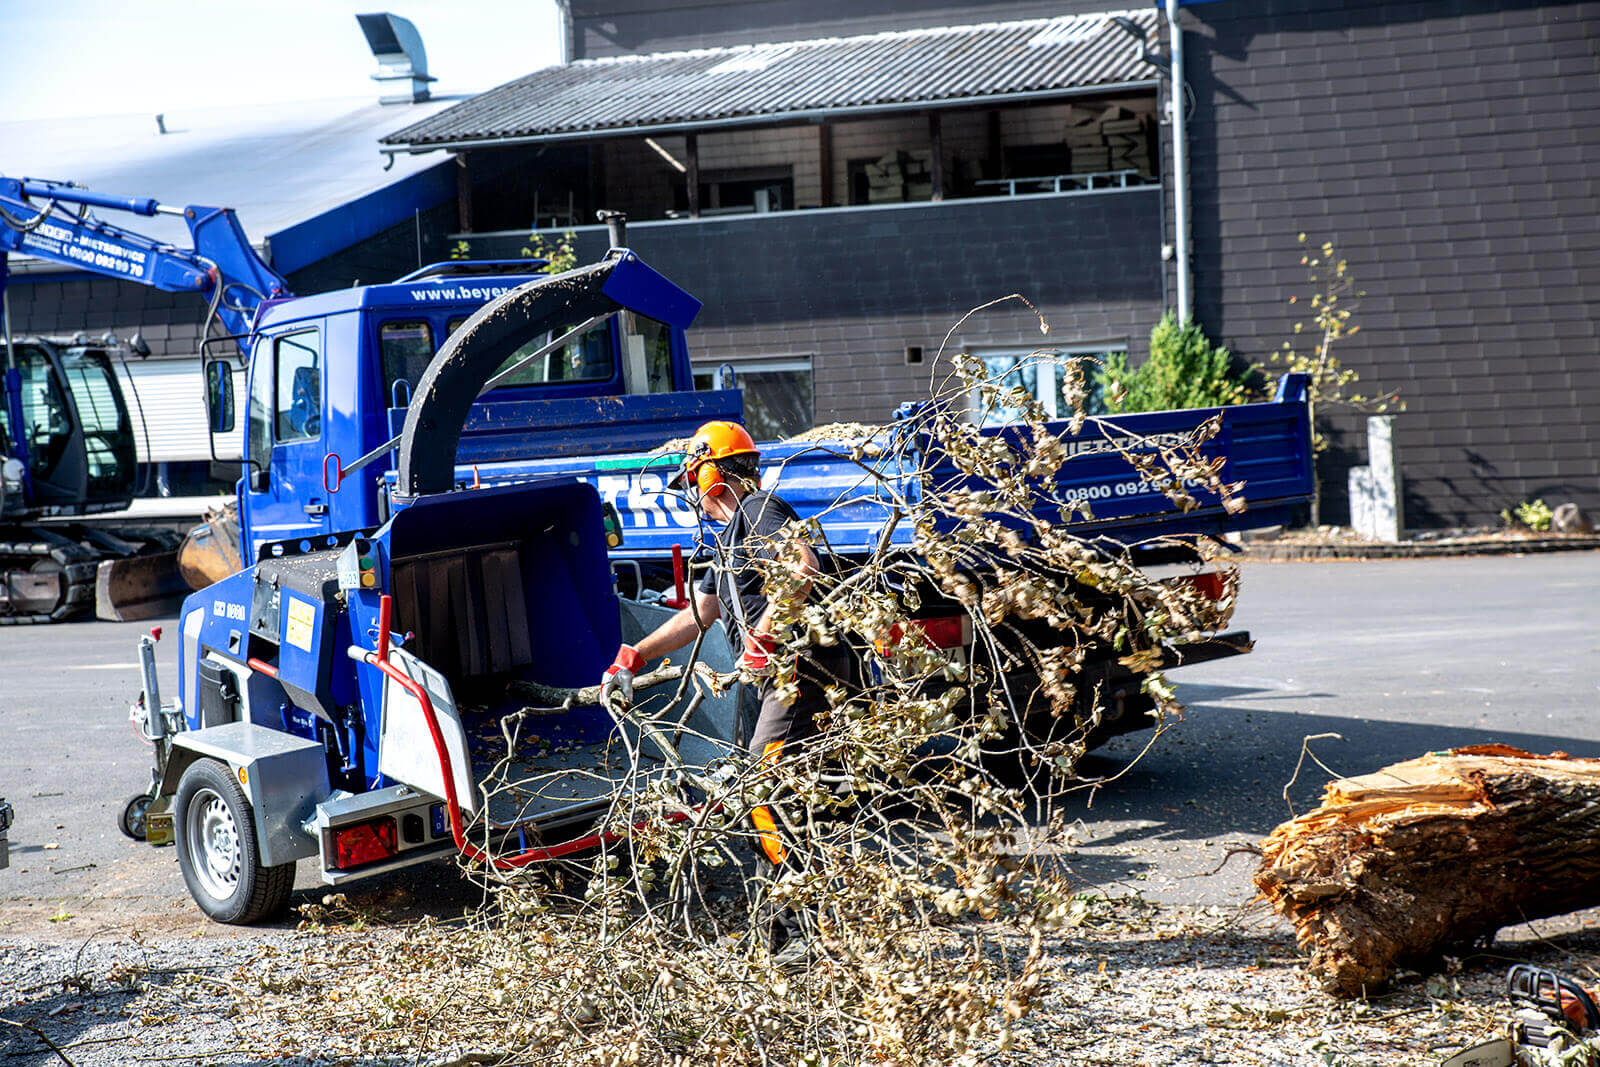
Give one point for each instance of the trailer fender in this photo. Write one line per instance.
(283, 776)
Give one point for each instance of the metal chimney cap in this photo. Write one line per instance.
(397, 46)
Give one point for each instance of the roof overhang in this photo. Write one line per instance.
(784, 118)
(796, 82)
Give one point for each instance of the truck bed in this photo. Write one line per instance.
(1266, 446)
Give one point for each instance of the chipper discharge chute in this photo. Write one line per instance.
(343, 699)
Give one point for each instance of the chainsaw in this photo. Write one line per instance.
(1550, 1011)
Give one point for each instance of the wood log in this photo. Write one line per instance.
(1398, 865)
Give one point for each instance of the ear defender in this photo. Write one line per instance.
(709, 478)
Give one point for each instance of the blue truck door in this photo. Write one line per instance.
(286, 437)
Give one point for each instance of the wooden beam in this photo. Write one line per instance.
(463, 194)
(995, 165)
(691, 174)
(825, 163)
(597, 180)
(936, 162)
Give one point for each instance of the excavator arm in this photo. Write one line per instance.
(53, 221)
(50, 573)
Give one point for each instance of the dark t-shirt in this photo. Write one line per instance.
(749, 534)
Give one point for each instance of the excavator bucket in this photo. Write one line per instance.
(139, 587)
(211, 551)
(148, 586)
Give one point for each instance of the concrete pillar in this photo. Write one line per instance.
(1376, 490)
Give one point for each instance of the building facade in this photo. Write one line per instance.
(1447, 149)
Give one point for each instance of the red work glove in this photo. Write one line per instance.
(758, 650)
(618, 680)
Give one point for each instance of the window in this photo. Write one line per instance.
(657, 354)
(260, 415)
(583, 359)
(778, 397)
(46, 420)
(405, 350)
(1039, 373)
(299, 386)
(107, 432)
(741, 190)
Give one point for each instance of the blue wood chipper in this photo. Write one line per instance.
(337, 699)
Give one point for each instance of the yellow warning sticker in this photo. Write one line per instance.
(297, 631)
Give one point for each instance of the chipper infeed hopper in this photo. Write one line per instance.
(344, 699)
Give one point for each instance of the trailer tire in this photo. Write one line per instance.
(217, 849)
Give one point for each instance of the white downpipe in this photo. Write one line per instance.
(1180, 164)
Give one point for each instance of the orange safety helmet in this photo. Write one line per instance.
(712, 442)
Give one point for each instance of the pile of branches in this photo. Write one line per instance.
(917, 858)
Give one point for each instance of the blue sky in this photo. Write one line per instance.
(104, 57)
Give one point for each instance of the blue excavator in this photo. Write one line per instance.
(67, 440)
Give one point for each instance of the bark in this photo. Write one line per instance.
(1398, 865)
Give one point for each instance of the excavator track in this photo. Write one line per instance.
(47, 574)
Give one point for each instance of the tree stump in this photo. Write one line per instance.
(1448, 848)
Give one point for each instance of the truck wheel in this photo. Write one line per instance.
(217, 849)
(133, 812)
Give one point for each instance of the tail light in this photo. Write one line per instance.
(1212, 585)
(362, 843)
(944, 632)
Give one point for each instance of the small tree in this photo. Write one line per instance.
(1333, 303)
(559, 252)
(1185, 370)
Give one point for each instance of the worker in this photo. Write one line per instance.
(720, 476)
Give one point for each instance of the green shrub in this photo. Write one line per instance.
(1535, 516)
(1185, 370)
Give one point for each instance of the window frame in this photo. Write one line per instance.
(278, 341)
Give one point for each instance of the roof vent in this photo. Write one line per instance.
(1067, 30)
(751, 61)
(397, 46)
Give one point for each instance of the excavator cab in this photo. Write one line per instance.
(65, 421)
(66, 449)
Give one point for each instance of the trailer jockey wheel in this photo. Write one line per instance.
(217, 849)
(133, 812)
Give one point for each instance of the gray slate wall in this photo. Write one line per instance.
(66, 305)
(853, 288)
(1451, 151)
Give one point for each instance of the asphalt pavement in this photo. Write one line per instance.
(1396, 657)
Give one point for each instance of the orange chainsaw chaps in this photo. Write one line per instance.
(761, 815)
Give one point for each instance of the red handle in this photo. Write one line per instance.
(679, 597)
(338, 473)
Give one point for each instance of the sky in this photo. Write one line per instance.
(104, 57)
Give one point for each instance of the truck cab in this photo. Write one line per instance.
(330, 378)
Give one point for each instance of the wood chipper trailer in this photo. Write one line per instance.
(339, 701)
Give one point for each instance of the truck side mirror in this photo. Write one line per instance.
(219, 395)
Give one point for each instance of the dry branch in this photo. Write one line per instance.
(1444, 849)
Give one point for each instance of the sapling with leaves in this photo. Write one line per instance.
(1329, 383)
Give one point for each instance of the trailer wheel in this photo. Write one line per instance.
(133, 812)
(217, 849)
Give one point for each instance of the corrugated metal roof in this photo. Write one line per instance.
(771, 82)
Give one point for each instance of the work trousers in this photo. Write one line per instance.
(786, 725)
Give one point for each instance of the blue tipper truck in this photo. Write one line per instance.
(442, 475)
